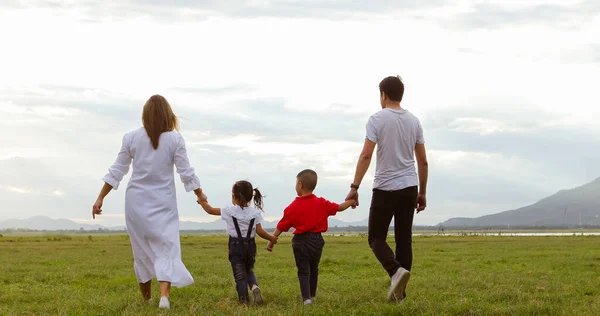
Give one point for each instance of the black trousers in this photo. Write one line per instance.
(308, 248)
(242, 255)
(400, 205)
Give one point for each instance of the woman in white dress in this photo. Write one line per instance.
(150, 202)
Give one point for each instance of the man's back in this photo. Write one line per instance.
(397, 190)
(396, 133)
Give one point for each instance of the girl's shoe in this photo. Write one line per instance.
(257, 295)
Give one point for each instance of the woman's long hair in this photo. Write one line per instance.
(158, 117)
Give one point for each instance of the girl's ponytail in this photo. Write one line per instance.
(258, 197)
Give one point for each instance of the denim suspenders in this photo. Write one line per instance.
(241, 241)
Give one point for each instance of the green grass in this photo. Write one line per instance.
(65, 275)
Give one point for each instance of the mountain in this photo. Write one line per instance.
(576, 207)
(46, 223)
(336, 222)
(220, 225)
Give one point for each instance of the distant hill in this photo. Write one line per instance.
(49, 224)
(578, 207)
(46, 223)
(220, 225)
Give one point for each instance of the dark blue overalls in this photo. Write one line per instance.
(242, 255)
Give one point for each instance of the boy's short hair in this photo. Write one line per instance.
(308, 178)
(393, 87)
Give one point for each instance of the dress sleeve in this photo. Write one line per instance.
(120, 168)
(184, 169)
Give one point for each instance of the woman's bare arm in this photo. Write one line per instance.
(97, 208)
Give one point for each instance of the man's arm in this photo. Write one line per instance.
(364, 161)
(423, 168)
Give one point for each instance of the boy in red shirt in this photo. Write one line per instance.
(308, 214)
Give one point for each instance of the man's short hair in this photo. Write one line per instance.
(393, 87)
(308, 178)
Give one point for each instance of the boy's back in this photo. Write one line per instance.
(307, 213)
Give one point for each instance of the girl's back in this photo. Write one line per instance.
(244, 217)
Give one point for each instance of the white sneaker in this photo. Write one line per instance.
(307, 302)
(399, 282)
(164, 303)
(257, 295)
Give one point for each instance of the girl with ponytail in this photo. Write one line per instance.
(243, 224)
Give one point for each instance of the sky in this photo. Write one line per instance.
(506, 92)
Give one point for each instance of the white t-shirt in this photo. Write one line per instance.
(396, 133)
(244, 216)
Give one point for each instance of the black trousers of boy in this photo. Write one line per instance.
(308, 248)
(399, 204)
(242, 255)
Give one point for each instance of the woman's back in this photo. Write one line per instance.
(152, 167)
(152, 179)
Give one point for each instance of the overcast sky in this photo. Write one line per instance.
(506, 92)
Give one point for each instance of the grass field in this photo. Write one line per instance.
(63, 275)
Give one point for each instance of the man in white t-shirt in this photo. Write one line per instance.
(397, 189)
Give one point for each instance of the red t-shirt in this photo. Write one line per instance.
(307, 214)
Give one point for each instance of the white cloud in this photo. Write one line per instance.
(263, 96)
(17, 190)
(28, 191)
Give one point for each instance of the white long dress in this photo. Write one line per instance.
(150, 203)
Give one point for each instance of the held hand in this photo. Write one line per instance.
(353, 195)
(354, 204)
(202, 198)
(421, 203)
(97, 209)
(270, 246)
(274, 239)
